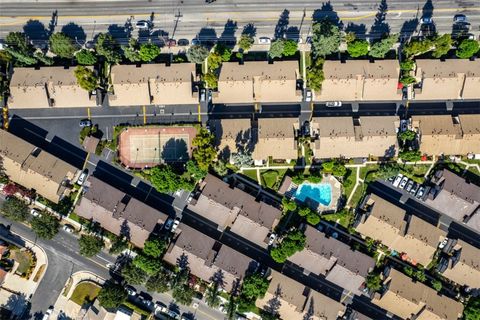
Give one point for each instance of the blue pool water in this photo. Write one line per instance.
(318, 192)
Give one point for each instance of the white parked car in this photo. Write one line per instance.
(333, 104)
(403, 183)
(68, 228)
(271, 238)
(35, 213)
(397, 180)
(142, 24)
(83, 177)
(308, 96)
(443, 243)
(175, 224)
(264, 40)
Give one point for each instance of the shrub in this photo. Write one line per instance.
(197, 54)
(86, 57)
(467, 49)
(357, 48)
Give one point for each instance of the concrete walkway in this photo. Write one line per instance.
(357, 183)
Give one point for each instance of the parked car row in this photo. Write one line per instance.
(410, 186)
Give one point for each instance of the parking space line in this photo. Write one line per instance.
(144, 115)
(199, 113)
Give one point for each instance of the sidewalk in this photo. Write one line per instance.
(64, 305)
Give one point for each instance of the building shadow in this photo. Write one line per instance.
(28, 131)
(380, 28)
(282, 25)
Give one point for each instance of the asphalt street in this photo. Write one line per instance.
(225, 19)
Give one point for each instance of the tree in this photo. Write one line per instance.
(373, 282)
(45, 225)
(289, 205)
(313, 218)
(90, 245)
(420, 276)
(326, 38)
(437, 285)
(212, 295)
(410, 155)
(211, 80)
(408, 271)
(443, 44)
(158, 283)
(339, 170)
(294, 241)
(315, 75)
(357, 48)
(242, 159)
(290, 48)
(197, 54)
(407, 80)
(134, 275)
(467, 49)
(130, 52)
(224, 52)
(18, 41)
(164, 179)
(407, 135)
(472, 309)
(112, 295)
(20, 58)
(148, 51)
(407, 65)
(245, 43)
(204, 152)
(254, 286)
(151, 265)
(62, 45)
(154, 248)
(107, 47)
(86, 57)
(41, 57)
(380, 48)
(220, 167)
(386, 171)
(86, 79)
(183, 294)
(118, 245)
(276, 48)
(195, 171)
(214, 61)
(417, 47)
(15, 209)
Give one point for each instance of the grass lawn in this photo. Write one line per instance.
(85, 292)
(272, 178)
(343, 217)
(252, 174)
(415, 172)
(350, 181)
(24, 259)
(368, 170)
(357, 195)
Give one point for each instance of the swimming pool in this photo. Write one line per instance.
(318, 192)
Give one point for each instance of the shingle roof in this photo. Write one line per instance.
(460, 188)
(231, 132)
(258, 81)
(276, 138)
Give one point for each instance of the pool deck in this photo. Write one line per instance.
(336, 187)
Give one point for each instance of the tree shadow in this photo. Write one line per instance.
(174, 307)
(225, 153)
(125, 230)
(53, 23)
(407, 30)
(207, 37)
(310, 311)
(274, 304)
(326, 12)
(35, 31)
(358, 29)
(380, 28)
(244, 142)
(282, 25)
(427, 10)
(182, 261)
(228, 34)
(390, 152)
(218, 279)
(250, 30)
(175, 150)
(18, 305)
(428, 26)
(293, 33)
(120, 33)
(74, 31)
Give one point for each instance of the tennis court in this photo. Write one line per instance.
(142, 147)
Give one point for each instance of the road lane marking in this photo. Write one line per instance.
(88, 113)
(144, 115)
(199, 114)
(86, 161)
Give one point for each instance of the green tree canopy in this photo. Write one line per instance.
(107, 47)
(149, 51)
(407, 135)
(288, 205)
(276, 48)
(313, 218)
(86, 57)
(380, 48)
(224, 52)
(165, 179)
(357, 48)
(20, 49)
(204, 152)
(373, 282)
(62, 45)
(151, 265)
(154, 247)
(45, 226)
(304, 211)
(90, 245)
(418, 47)
(437, 285)
(293, 241)
(133, 275)
(130, 52)
(472, 309)
(183, 294)
(407, 79)
(443, 44)
(211, 80)
(214, 61)
(467, 49)
(195, 171)
(410, 155)
(326, 38)
(315, 75)
(254, 286)
(159, 283)
(86, 79)
(407, 65)
(290, 48)
(112, 295)
(197, 54)
(15, 209)
(245, 43)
